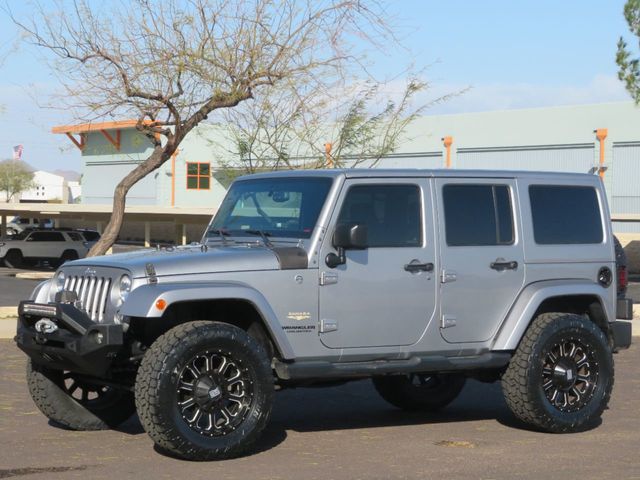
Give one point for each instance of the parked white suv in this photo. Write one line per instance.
(54, 246)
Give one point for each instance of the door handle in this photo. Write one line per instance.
(500, 264)
(415, 266)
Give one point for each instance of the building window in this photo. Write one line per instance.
(198, 176)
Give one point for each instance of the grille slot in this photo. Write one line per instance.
(92, 293)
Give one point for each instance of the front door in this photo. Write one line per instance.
(386, 294)
(482, 256)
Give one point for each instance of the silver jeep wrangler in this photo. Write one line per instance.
(416, 279)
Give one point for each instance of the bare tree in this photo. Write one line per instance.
(173, 63)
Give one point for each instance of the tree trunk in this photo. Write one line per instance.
(159, 156)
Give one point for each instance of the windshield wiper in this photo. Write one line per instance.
(223, 234)
(262, 234)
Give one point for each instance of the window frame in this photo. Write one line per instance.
(198, 176)
(421, 227)
(492, 185)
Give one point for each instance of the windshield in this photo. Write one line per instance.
(278, 207)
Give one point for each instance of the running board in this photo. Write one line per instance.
(318, 369)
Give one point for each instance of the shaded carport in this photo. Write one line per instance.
(99, 215)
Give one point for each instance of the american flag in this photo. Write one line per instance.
(17, 152)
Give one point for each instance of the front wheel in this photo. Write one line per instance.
(204, 391)
(14, 259)
(77, 402)
(561, 375)
(426, 392)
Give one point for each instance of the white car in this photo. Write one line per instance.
(54, 246)
(20, 224)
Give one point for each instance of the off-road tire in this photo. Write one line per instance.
(160, 381)
(14, 259)
(419, 392)
(50, 393)
(532, 369)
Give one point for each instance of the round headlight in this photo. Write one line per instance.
(58, 282)
(124, 287)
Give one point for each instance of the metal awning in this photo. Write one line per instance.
(102, 213)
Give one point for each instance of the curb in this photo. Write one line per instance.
(8, 313)
(35, 275)
(8, 328)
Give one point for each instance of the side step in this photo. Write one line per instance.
(319, 369)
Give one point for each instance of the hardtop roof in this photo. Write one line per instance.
(417, 172)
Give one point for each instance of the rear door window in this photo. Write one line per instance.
(478, 215)
(565, 214)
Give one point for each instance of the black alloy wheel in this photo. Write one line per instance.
(569, 375)
(204, 391)
(561, 375)
(214, 393)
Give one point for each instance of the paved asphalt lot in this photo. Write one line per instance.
(12, 289)
(344, 432)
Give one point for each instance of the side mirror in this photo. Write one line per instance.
(347, 236)
(350, 236)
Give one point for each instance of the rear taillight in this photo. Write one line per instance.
(623, 279)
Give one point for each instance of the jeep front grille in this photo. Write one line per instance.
(92, 292)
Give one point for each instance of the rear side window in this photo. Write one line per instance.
(477, 215)
(565, 215)
(74, 236)
(46, 237)
(390, 212)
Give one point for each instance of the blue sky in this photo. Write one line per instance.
(512, 54)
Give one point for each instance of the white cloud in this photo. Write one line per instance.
(506, 96)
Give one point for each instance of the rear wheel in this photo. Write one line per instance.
(14, 259)
(419, 391)
(561, 376)
(75, 402)
(204, 391)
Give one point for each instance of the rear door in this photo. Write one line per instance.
(482, 256)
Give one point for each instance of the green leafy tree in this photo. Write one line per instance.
(15, 177)
(629, 66)
(289, 131)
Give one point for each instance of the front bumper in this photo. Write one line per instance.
(77, 344)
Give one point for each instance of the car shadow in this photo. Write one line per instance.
(356, 405)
